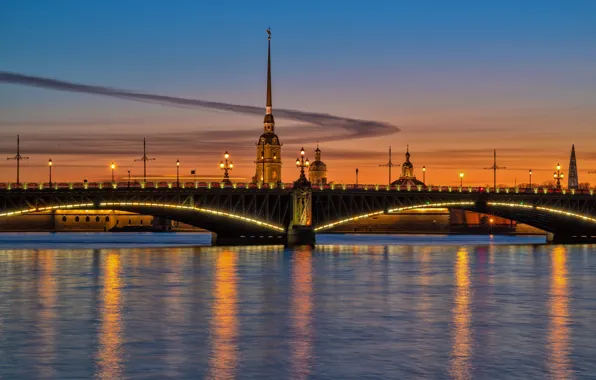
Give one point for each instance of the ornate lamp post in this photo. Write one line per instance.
(226, 167)
(424, 175)
(530, 179)
(558, 175)
(113, 166)
(177, 173)
(302, 163)
(50, 167)
(461, 179)
(356, 176)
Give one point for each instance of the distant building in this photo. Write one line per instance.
(269, 147)
(572, 180)
(407, 177)
(317, 172)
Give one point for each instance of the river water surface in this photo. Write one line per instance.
(157, 306)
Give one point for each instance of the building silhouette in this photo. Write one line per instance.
(268, 163)
(407, 177)
(572, 180)
(317, 172)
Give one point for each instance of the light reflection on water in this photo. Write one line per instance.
(459, 311)
(110, 355)
(461, 351)
(224, 323)
(558, 338)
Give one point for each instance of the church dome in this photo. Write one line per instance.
(269, 138)
(317, 166)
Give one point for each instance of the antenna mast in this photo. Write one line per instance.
(145, 159)
(18, 159)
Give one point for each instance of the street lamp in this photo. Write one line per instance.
(424, 175)
(461, 179)
(530, 179)
(177, 173)
(226, 167)
(113, 166)
(129, 178)
(558, 175)
(302, 163)
(356, 177)
(50, 167)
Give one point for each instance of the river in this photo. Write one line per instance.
(157, 306)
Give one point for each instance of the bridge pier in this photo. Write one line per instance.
(300, 235)
(301, 231)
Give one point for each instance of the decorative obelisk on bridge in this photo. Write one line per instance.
(268, 161)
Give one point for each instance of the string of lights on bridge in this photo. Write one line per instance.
(274, 227)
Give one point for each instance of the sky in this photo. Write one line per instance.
(451, 79)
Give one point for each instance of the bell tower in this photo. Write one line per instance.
(268, 163)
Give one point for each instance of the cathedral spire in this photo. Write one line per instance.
(269, 100)
(572, 182)
(269, 121)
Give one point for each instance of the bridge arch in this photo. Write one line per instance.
(549, 219)
(210, 219)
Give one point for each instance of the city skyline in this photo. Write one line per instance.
(454, 98)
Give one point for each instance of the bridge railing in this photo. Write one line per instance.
(252, 185)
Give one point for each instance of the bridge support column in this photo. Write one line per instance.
(300, 231)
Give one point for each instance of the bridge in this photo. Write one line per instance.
(291, 214)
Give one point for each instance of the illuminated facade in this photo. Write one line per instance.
(317, 171)
(268, 147)
(407, 177)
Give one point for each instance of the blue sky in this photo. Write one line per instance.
(508, 70)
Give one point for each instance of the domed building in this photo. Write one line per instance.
(317, 172)
(407, 177)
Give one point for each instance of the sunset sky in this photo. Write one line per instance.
(451, 79)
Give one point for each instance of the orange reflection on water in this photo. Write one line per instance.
(461, 350)
(47, 315)
(110, 333)
(558, 337)
(224, 319)
(302, 305)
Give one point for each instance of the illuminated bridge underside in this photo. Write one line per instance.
(228, 213)
(268, 212)
(565, 216)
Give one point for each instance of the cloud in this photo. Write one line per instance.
(339, 128)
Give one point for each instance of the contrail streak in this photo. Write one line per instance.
(355, 128)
